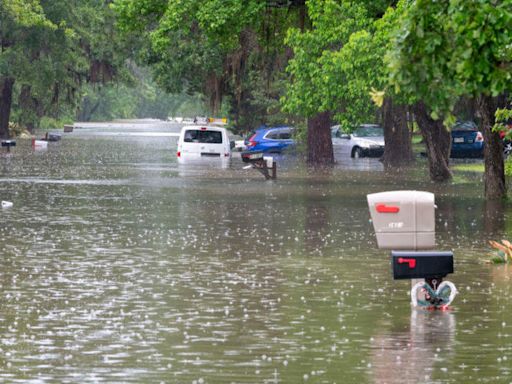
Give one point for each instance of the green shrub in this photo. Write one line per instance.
(508, 166)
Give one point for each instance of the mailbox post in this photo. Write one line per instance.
(404, 222)
(266, 165)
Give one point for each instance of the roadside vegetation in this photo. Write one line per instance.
(311, 63)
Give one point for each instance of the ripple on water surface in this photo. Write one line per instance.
(118, 265)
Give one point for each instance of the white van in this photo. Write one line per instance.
(197, 142)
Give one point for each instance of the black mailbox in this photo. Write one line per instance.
(252, 156)
(421, 265)
(8, 143)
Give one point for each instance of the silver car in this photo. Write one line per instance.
(366, 140)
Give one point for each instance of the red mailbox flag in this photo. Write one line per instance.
(383, 208)
(411, 262)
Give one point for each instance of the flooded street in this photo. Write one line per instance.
(119, 265)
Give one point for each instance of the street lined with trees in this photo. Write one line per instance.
(405, 64)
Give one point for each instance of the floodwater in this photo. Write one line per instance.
(119, 265)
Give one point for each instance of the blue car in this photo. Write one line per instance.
(467, 140)
(270, 139)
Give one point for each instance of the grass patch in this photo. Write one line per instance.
(470, 167)
(417, 139)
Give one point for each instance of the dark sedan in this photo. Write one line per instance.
(467, 140)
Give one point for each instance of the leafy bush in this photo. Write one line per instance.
(508, 167)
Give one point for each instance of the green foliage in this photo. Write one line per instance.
(231, 51)
(26, 13)
(187, 40)
(143, 100)
(503, 117)
(48, 123)
(499, 258)
(503, 251)
(50, 48)
(339, 63)
(508, 167)
(447, 49)
(318, 84)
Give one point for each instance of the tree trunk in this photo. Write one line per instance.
(6, 87)
(30, 108)
(437, 141)
(398, 148)
(214, 90)
(494, 176)
(87, 109)
(319, 140)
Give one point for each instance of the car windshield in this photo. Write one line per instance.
(465, 126)
(201, 136)
(369, 131)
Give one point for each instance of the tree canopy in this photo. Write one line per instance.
(227, 50)
(48, 50)
(339, 62)
(447, 49)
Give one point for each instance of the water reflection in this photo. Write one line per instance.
(119, 265)
(316, 232)
(414, 355)
(494, 216)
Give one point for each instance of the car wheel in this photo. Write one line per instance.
(357, 153)
(507, 149)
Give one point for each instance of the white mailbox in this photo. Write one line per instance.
(403, 219)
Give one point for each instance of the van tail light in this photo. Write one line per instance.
(479, 137)
(178, 154)
(226, 154)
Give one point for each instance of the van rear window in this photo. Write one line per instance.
(198, 136)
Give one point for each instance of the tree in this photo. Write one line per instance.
(16, 17)
(445, 50)
(227, 50)
(49, 49)
(314, 87)
(337, 63)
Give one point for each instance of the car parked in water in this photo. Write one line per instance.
(365, 140)
(270, 139)
(467, 140)
(203, 142)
